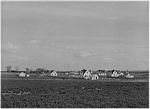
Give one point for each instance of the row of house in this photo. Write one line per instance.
(105, 74)
(86, 74)
(52, 73)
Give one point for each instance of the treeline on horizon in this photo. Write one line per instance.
(16, 69)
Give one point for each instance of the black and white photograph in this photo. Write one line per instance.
(74, 54)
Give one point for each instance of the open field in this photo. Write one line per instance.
(73, 93)
(104, 80)
(137, 75)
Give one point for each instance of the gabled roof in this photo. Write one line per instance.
(22, 72)
(52, 71)
(118, 71)
(84, 70)
(87, 71)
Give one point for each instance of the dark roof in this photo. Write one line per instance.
(22, 71)
(84, 70)
(51, 71)
(101, 70)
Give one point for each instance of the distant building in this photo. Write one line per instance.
(120, 73)
(95, 77)
(86, 74)
(128, 75)
(101, 70)
(22, 74)
(115, 73)
(53, 73)
(103, 74)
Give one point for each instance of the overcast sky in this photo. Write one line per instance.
(75, 35)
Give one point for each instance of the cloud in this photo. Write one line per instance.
(140, 60)
(82, 54)
(120, 51)
(109, 61)
(18, 58)
(85, 53)
(107, 58)
(142, 46)
(9, 48)
(35, 42)
(67, 49)
(112, 18)
(74, 48)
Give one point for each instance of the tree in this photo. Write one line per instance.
(47, 71)
(8, 68)
(31, 70)
(40, 70)
(17, 68)
(27, 70)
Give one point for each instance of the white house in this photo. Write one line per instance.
(53, 73)
(114, 74)
(28, 75)
(95, 77)
(22, 74)
(86, 74)
(129, 76)
(102, 74)
(67, 73)
(120, 73)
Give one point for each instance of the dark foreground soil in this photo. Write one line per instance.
(73, 94)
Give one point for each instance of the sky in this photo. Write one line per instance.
(75, 35)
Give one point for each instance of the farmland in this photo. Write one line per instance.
(73, 94)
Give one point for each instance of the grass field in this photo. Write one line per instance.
(73, 93)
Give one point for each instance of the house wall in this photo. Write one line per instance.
(53, 74)
(22, 74)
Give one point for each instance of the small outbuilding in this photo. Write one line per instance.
(22, 74)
